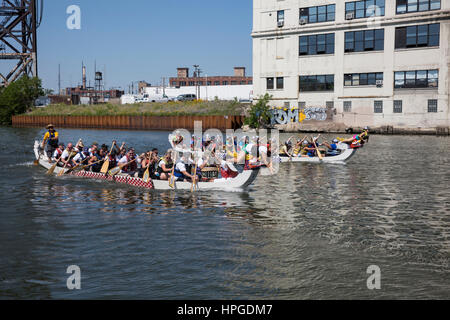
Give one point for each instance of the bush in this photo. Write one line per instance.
(19, 97)
(259, 114)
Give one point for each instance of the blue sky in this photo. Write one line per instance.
(143, 39)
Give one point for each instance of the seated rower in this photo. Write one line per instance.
(94, 164)
(67, 156)
(129, 163)
(82, 156)
(181, 172)
(332, 147)
(165, 166)
(58, 152)
(285, 149)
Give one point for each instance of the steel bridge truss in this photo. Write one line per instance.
(18, 25)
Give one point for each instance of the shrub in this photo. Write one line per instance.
(259, 114)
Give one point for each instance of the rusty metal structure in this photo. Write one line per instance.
(19, 20)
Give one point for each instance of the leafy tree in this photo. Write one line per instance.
(259, 114)
(19, 97)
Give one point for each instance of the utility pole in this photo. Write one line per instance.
(59, 79)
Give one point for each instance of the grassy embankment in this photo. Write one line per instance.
(205, 108)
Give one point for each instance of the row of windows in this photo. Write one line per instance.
(416, 79)
(402, 79)
(364, 9)
(209, 83)
(372, 40)
(426, 35)
(397, 107)
(317, 44)
(406, 6)
(318, 14)
(360, 9)
(362, 79)
(272, 81)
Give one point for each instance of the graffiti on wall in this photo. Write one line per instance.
(285, 115)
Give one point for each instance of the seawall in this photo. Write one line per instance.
(130, 122)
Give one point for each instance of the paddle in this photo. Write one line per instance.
(194, 178)
(172, 177)
(146, 176)
(73, 169)
(87, 166)
(117, 169)
(105, 166)
(52, 168)
(317, 149)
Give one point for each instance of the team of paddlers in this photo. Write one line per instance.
(183, 162)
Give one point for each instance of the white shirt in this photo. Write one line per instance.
(263, 149)
(123, 160)
(56, 154)
(78, 157)
(65, 154)
(180, 167)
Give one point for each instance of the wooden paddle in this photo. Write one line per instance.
(146, 176)
(52, 168)
(105, 166)
(117, 169)
(317, 150)
(172, 177)
(86, 166)
(73, 169)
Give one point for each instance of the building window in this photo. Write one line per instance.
(378, 106)
(347, 106)
(191, 83)
(368, 40)
(398, 106)
(302, 105)
(364, 9)
(317, 44)
(182, 83)
(270, 84)
(426, 35)
(317, 83)
(224, 83)
(208, 83)
(406, 6)
(200, 83)
(250, 81)
(217, 83)
(243, 82)
(318, 14)
(432, 105)
(362, 79)
(233, 83)
(416, 79)
(280, 17)
(329, 104)
(280, 83)
(174, 84)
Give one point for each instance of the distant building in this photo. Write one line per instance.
(371, 62)
(91, 92)
(184, 80)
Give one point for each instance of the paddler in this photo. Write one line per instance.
(67, 156)
(51, 139)
(181, 172)
(165, 166)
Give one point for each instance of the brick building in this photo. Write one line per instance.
(184, 80)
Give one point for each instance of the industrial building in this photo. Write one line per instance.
(183, 79)
(369, 63)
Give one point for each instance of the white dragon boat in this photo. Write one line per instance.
(241, 181)
(345, 154)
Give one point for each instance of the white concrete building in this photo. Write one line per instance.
(230, 92)
(375, 62)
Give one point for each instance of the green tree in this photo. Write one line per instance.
(19, 97)
(259, 114)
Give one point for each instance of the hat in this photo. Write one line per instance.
(50, 126)
(85, 149)
(335, 140)
(366, 128)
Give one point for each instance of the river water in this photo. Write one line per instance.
(310, 232)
